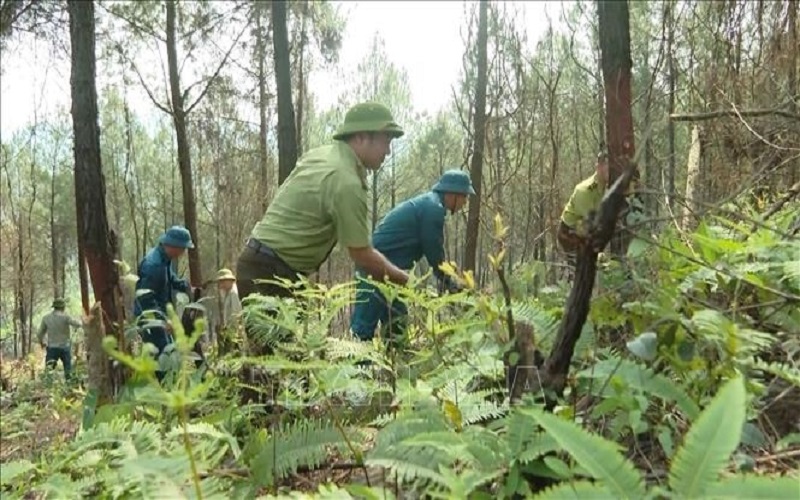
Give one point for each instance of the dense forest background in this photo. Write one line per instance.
(543, 125)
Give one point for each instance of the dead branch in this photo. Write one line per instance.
(732, 113)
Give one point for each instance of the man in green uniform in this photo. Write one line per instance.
(56, 326)
(586, 198)
(322, 202)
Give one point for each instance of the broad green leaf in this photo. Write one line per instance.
(755, 487)
(708, 445)
(637, 247)
(598, 456)
(644, 379)
(578, 491)
(369, 493)
(644, 346)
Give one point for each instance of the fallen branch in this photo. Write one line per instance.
(732, 113)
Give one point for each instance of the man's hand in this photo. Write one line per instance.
(374, 263)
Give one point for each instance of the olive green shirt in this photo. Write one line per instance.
(324, 200)
(586, 197)
(56, 325)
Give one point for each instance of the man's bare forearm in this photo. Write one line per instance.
(377, 265)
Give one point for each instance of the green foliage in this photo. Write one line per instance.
(695, 470)
(302, 443)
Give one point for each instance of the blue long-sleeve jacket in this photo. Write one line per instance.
(413, 229)
(156, 274)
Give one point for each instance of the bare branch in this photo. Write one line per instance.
(216, 73)
(751, 113)
(141, 80)
(10, 12)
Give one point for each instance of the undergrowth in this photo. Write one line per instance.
(691, 346)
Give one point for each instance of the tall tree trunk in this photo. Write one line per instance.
(301, 75)
(54, 239)
(616, 51)
(22, 314)
(669, 5)
(184, 158)
(287, 141)
(127, 173)
(476, 166)
(263, 151)
(90, 191)
(794, 91)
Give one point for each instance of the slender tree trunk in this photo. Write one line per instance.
(287, 141)
(22, 314)
(476, 167)
(184, 158)
(794, 91)
(669, 5)
(128, 169)
(263, 151)
(54, 239)
(301, 77)
(90, 188)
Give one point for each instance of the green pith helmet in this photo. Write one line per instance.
(225, 274)
(368, 117)
(59, 304)
(454, 181)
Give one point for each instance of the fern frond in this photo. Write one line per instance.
(411, 462)
(597, 456)
(710, 441)
(579, 490)
(526, 442)
(301, 443)
(755, 487)
(544, 322)
(781, 370)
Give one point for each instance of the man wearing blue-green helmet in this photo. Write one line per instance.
(410, 231)
(157, 283)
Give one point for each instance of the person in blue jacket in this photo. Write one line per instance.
(410, 231)
(157, 283)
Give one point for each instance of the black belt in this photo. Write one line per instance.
(261, 248)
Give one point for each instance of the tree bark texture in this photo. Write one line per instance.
(287, 139)
(90, 199)
(184, 157)
(476, 164)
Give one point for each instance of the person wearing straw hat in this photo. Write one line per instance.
(323, 202)
(412, 230)
(157, 284)
(56, 327)
(224, 306)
